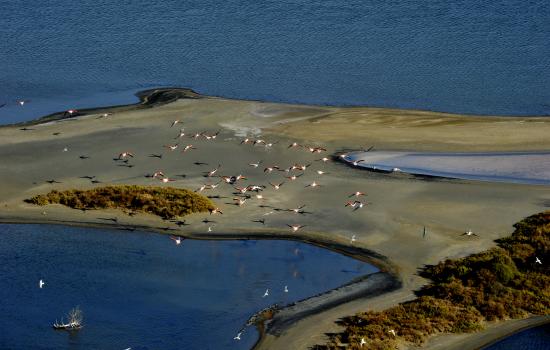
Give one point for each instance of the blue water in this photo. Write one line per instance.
(142, 291)
(537, 338)
(456, 56)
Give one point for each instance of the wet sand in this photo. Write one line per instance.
(391, 226)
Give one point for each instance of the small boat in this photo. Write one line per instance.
(75, 321)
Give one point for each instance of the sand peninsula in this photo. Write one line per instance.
(59, 153)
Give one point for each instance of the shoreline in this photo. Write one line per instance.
(402, 204)
(159, 96)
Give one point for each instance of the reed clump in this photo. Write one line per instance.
(166, 202)
(501, 283)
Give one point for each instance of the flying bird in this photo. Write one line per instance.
(176, 239)
(295, 227)
(469, 233)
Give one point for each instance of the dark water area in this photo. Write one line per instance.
(140, 290)
(537, 338)
(466, 57)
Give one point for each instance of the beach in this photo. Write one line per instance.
(391, 227)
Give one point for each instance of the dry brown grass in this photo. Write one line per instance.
(165, 202)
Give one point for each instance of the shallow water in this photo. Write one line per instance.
(517, 167)
(140, 290)
(537, 338)
(472, 57)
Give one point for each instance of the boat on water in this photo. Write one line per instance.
(75, 321)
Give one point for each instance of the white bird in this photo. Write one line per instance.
(356, 162)
(41, 284)
(353, 238)
(255, 165)
(172, 147)
(392, 332)
(209, 229)
(238, 336)
(363, 342)
(297, 210)
(174, 123)
(176, 239)
(313, 184)
(182, 134)
(538, 260)
(266, 293)
(286, 289)
(65, 149)
(321, 172)
(324, 160)
(295, 227)
(469, 233)
(166, 180)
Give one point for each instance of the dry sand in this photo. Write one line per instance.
(392, 226)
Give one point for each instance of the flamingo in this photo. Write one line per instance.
(321, 172)
(165, 180)
(182, 134)
(174, 123)
(269, 169)
(211, 173)
(172, 147)
(316, 149)
(293, 177)
(356, 194)
(313, 185)
(125, 155)
(293, 145)
(239, 201)
(356, 162)
(188, 147)
(277, 186)
(215, 211)
(158, 174)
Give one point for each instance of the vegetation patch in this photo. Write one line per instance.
(166, 202)
(500, 283)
